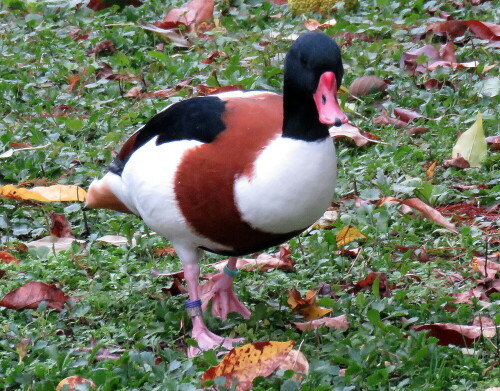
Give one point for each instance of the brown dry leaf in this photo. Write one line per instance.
(175, 289)
(407, 115)
(5, 257)
(339, 322)
(196, 11)
(367, 283)
(347, 234)
(137, 94)
(367, 85)
(54, 243)
(384, 119)
(494, 141)
(450, 278)
(426, 210)
(30, 295)
(249, 361)
(297, 362)
(103, 46)
(72, 383)
(487, 267)
(458, 162)
(457, 28)
(307, 306)
(456, 334)
(61, 227)
(351, 131)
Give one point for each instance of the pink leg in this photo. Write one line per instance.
(220, 290)
(205, 338)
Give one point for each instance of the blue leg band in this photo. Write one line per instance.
(231, 273)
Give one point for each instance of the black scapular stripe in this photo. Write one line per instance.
(197, 118)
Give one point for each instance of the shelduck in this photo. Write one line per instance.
(233, 173)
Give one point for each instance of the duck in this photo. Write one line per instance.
(233, 173)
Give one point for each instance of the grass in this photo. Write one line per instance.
(121, 307)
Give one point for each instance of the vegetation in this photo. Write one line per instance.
(61, 90)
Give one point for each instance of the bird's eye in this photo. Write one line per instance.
(303, 61)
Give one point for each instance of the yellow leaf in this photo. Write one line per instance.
(472, 144)
(307, 307)
(429, 174)
(44, 194)
(249, 361)
(348, 234)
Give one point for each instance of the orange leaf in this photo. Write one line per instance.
(72, 383)
(429, 212)
(348, 234)
(30, 295)
(249, 361)
(5, 257)
(307, 307)
(429, 174)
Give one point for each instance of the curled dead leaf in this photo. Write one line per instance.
(456, 334)
(307, 306)
(31, 294)
(339, 322)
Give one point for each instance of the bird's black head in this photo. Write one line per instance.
(311, 55)
(313, 75)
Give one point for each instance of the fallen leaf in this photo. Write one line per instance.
(472, 144)
(245, 363)
(44, 194)
(456, 334)
(281, 260)
(429, 173)
(488, 267)
(313, 24)
(307, 306)
(175, 289)
(407, 115)
(457, 28)
(196, 11)
(369, 280)
(297, 362)
(164, 251)
(98, 5)
(5, 257)
(458, 162)
(367, 85)
(339, 322)
(384, 119)
(171, 34)
(429, 212)
(72, 80)
(10, 152)
(72, 383)
(115, 240)
(54, 243)
(347, 234)
(351, 131)
(61, 227)
(31, 294)
(103, 46)
(22, 348)
(326, 221)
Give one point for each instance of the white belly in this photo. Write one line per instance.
(291, 186)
